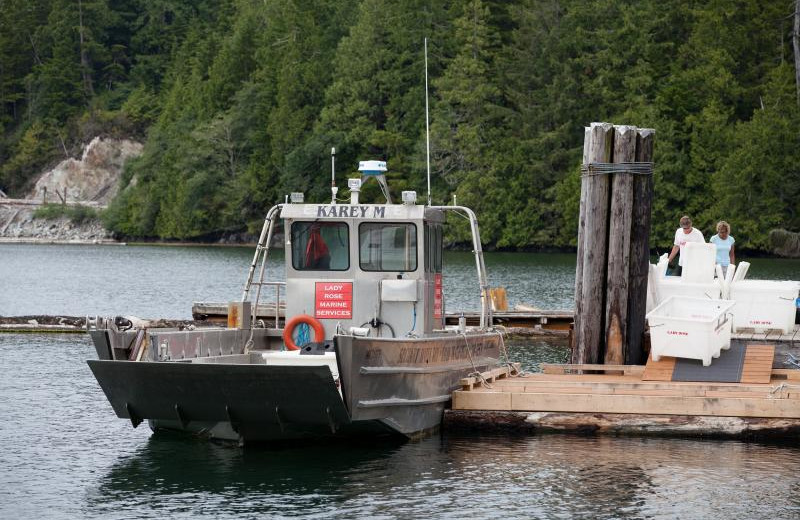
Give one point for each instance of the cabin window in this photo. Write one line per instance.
(387, 247)
(428, 249)
(320, 246)
(433, 248)
(437, 249)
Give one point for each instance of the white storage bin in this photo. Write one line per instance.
(764, 304)
(294, 358)
(693, 328)
(677, 286)
(698, 262)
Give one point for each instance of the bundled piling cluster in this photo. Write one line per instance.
(613, 244)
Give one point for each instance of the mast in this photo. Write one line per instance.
(427, 125)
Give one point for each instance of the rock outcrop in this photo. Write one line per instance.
(785, 243)
(17, 224)
(93, 181)
(93, 178)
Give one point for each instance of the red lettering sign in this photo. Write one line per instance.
(437, 296)
(334, 300)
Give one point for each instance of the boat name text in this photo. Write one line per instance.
(343, 211)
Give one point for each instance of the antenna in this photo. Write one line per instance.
(334, 189)
(427, 125)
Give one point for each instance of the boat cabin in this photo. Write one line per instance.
(373, 267)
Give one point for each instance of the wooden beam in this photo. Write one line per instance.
(663, 405)
(552, 368)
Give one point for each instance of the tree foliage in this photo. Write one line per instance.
(240, 102)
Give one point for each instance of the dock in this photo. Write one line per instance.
(554, 323)
(633, 399)
(537, 322)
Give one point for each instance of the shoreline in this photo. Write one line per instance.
(61, 241)
(167, 243)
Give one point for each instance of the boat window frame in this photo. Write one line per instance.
(414, 256)
(330, 223)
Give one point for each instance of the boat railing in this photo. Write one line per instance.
(477, 250)
(262, 253)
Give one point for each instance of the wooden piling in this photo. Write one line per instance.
(587, 138)
(640, 250)
(619, 239)
(589, 335)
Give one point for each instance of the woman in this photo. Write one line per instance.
(724, 242)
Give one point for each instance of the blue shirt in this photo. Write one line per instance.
(723, 249)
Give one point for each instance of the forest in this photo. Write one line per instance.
(239, 102)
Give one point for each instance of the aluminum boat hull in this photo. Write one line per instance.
(385, 387)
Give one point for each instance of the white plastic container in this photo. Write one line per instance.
(677, 286)
(741, 272)
(294, 358)
(662, 265)
(692, 328)
(698, 262)
(764, 304)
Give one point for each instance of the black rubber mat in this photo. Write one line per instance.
(727, 368)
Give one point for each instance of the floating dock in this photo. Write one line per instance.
(554, 323)
(537, 322)
(634, 399)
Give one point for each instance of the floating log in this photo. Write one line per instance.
(622, 424)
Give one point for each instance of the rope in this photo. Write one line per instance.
(514, 372)
(475, 372)
(781, 387)
(634, 168)
(303, 334)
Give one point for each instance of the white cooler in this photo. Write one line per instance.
(693, 328)
(698, 262)
(764, 304)
(676, 286)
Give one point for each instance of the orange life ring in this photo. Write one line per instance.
(288, 329)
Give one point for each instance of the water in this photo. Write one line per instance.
(162, 282)
(65, 455)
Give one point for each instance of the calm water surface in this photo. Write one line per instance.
(65, 455)
(162, 282)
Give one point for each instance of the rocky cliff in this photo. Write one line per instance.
(93, 180)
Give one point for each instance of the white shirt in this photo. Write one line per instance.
(682, 238)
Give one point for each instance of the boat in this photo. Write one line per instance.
(365, 280)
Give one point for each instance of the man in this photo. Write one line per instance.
(684, 234)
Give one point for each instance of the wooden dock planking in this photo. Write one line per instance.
(660, 370)
(778, 398)
(552, 368)
(757, 367)
(490, 376)
(746, 334)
